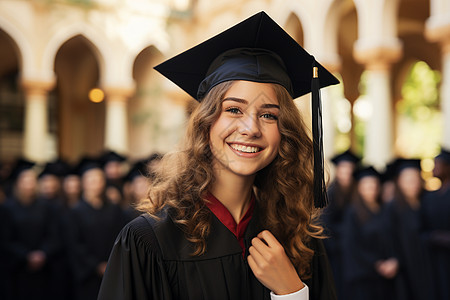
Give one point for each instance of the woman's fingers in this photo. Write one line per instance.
(269, 238)
(271, 266)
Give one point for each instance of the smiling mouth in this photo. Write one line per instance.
(245, 149)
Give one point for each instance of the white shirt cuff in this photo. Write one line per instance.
(302, 294)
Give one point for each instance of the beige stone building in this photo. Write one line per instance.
(53, 53)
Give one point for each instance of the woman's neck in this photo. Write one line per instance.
(234, 192)
(95, 201)
(372, 205)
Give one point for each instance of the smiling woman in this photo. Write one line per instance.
(231, 215)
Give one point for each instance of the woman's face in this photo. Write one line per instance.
(344, 173)
(245, 138)
(410, 182)
(369, 188)
(93, 182)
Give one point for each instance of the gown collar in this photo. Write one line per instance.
(225, 217)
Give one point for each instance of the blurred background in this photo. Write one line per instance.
(76, 76)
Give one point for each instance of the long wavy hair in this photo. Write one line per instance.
(283, 189)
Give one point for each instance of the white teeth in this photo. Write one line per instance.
(246, 149)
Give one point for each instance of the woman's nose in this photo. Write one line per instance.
(250, 126)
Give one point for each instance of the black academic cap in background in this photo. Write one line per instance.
(20, 166)
(444, 155)
(111, 156)
(258, 50)
(366, 171)
(88, 163)
(57, 168)
(346, 156)
(390, 171)
(403, 163)
(140, 168)
(143, 167)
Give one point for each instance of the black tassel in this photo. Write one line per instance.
(320, 194)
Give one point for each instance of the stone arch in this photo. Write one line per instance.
(98, 43)
(25, 51)
(156, 116)
(80, 122)
(294, 27)
(332, 22)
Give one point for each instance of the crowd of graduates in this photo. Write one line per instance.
(59, 222)
(389, 238)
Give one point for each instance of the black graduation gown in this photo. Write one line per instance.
(364, 243)
(91, 236)
(414, 262)
(152, 260)
(32, 227)
(333, 219)
(436, 234)
(5, 285)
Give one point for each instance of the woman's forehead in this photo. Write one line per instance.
(249, 92)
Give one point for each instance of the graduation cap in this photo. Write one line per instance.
(257, 49)
(366, 172)
(390, 171)
(444, 155)
(403, 163)
(140, 168)
(57, 168)
(110, 157)
(20, 166)
(86, 164)
(346, 156)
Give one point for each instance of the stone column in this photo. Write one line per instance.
(378, 148)
(438, 30)
(116, 129)
(36, 119)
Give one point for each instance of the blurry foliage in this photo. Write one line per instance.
(419, 123)
(420, 93)
(419, 117)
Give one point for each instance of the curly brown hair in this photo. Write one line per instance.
(283, 189)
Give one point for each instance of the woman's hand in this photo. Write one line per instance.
(387, 268)
(271, 266)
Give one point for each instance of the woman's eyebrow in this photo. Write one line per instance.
(269, 105)
(235, 99)
(243, 101)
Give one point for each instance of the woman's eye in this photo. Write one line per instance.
(233, 110)
(269, 116)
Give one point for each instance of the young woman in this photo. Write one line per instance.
(369, 260)
(405, 216)
(340, 193)
(230, 215)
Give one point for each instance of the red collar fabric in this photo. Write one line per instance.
(224, 216)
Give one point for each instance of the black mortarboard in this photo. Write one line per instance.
(365, 172)
(259, 50)
(444, 155)
(390, 171)
(346, 156)
(111, 156)
(58, 168)
(20, 166)
(140, 168)
(86, 164)
(143, 167)
(403, 163)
